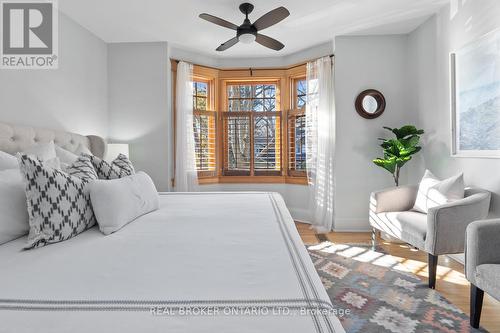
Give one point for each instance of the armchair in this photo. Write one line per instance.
(441, 231)
(482, 264)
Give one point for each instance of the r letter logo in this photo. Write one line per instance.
(29, 35)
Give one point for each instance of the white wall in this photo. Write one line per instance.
(314, 52)
(364, 62)
(72, 98)
(430, 45)
(139, 106)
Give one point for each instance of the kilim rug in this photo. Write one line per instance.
(382, 295)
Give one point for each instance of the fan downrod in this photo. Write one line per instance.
(246, 8)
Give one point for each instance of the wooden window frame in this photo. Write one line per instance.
(251, 115)
(210, 100)
(217, 102)
(292, 116)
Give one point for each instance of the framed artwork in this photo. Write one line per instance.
(475, 98)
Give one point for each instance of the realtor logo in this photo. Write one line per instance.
(29, 34)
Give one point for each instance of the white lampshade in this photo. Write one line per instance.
(114, 149)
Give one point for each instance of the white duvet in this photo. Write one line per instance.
(204, 262)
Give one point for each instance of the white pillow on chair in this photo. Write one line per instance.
(433, 192)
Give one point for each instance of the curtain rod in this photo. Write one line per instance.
(236, 69)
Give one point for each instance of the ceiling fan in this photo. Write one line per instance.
(249, 32)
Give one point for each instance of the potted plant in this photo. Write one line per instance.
(399, 150)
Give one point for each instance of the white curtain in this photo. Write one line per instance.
(320, 140)
(186, 177)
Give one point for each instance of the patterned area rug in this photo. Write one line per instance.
(381, 294)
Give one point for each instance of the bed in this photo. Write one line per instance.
(203, 262)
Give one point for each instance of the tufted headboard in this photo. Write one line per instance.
(14, 138)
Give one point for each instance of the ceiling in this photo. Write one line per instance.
(310, 22)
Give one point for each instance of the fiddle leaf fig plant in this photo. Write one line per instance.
(399, 150)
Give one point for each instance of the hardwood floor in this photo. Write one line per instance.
(450, 281)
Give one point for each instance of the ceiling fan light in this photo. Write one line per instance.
(246, 38)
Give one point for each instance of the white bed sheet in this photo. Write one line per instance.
(212, 251)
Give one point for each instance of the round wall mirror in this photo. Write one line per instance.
(370, 104)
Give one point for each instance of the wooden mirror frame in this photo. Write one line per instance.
(379, 97)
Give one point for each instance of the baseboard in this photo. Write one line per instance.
(300, 214)
(342, 225)
(352, 225)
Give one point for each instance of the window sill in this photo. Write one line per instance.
(253, 180)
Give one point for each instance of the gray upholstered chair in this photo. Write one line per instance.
(441, 231)
(482, 264)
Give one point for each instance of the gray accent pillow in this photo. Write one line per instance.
(59, 206)
(120, 167)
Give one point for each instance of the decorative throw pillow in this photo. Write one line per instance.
(59, 206)
(433, 192)
(82, 168)
(118, 202)
(120, 167)
(13, 212)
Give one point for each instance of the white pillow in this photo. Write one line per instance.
(118, 202)
(14, 221)
(65, 156)
(433, 192)
(7, 161)
(81, 149)
(42, 151)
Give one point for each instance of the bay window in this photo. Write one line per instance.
(249, 126)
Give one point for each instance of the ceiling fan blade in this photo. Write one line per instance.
(269, 42)
(218, 21)
(228, 44)
(271, 18)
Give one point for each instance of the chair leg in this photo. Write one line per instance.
(476, 304)
(432, 262)
(374, 239)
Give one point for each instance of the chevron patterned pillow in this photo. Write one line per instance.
(59, 206)
(82, 168)
(119, 168)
